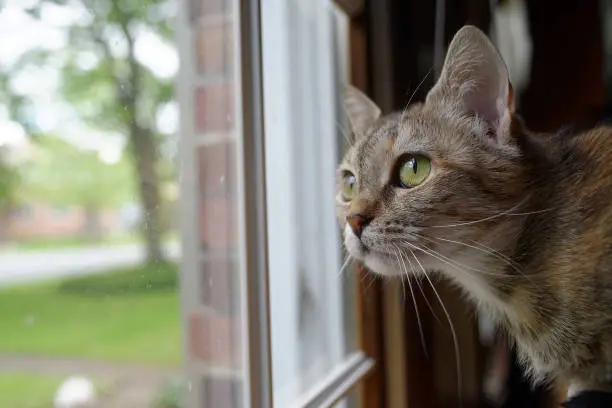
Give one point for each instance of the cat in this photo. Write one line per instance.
(521, 222)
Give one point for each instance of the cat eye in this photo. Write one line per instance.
(348, 186)
(413, 170)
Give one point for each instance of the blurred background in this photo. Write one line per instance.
(146, 140)
(88, 201)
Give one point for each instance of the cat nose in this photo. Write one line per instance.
(358, 222)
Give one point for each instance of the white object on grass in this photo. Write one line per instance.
(75, 392)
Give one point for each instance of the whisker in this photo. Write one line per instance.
(457, 265)
(419, 86)
(344, 133)
(454, 334)
(398, 254)
(507, 213)
(347, 261)
(425, 297)
(402, 281)
(492, 252)
(373, 279)
(405, 110)
(487, 251)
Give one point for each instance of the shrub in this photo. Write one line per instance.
(159, 277)
(171, 395)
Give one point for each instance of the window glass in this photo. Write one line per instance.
(102, 210)
(89, 248)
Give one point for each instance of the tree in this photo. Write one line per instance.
(59, 173)
(114, 91)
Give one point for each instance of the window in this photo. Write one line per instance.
(269, 319)
(311, 319)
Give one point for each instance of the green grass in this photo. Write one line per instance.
(27, 390)
(162, 277)
(75, 318)
(50, 243)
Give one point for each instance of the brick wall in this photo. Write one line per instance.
(214, 333)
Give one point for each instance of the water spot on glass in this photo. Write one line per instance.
(222, 179)
(29, 320)
(228, 118)
(210, 282)
(189, 385)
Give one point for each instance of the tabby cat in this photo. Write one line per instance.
(522, 222)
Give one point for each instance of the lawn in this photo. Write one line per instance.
(128, 315)
(39, 244)
(27, 390)
(49, 243)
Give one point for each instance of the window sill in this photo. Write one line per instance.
(337, 384)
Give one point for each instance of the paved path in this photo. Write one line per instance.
(19, 267)
(133, 386)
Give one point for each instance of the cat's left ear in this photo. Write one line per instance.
(475, 80)
(362, 112)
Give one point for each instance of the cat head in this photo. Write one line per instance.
(418, 189)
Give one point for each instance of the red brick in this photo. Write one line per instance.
(220, 285)
(214, 47)
(222, 392)
(216, 340)
(203, 8)
(218, 223)
(214, 108)
(217, 170)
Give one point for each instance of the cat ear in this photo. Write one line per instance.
(475, 79)
(362, 112)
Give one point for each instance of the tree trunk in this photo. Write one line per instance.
(5, 212)
(92, 230)
(144, 152)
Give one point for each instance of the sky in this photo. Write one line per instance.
(20, 33)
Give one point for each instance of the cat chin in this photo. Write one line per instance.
(380, 267)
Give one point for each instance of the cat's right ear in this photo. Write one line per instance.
(362, 112)
(475, 80)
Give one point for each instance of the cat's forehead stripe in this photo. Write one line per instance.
(387, 130)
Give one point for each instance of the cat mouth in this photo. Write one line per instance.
(377, 261)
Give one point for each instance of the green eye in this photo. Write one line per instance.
(348, 186)
(414, 171)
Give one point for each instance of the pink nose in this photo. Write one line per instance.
(358, 222)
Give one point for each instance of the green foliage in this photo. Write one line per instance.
(62, 174)
(171, 395)
(110, 89)
(9, 182)
(158, 277)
